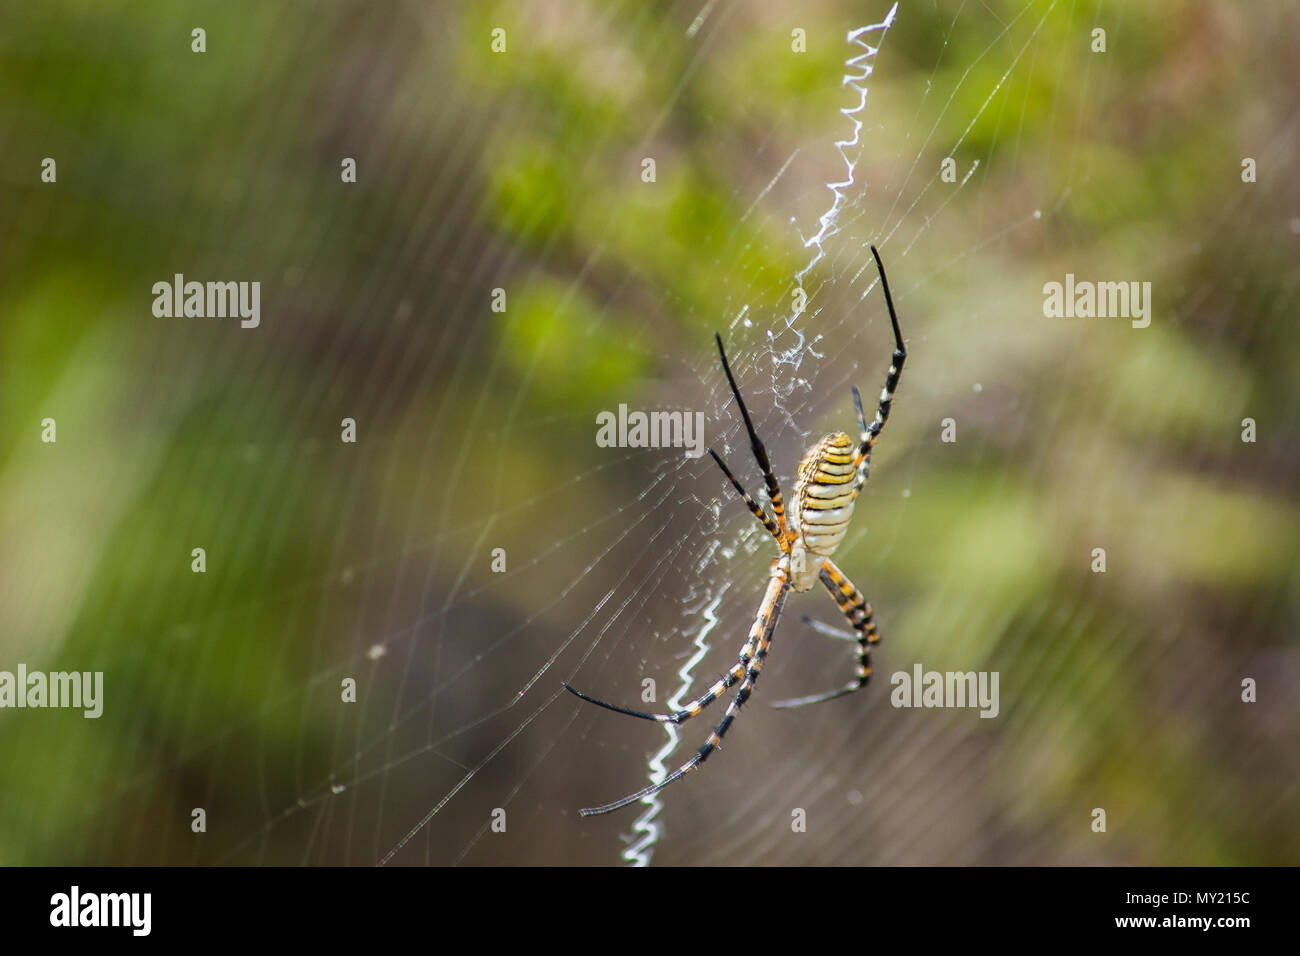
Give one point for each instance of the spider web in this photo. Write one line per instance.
(624, 565)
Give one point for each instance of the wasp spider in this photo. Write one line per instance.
(831, 475)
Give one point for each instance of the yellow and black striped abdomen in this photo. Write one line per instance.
(823, 493)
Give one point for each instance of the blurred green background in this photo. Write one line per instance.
(522, 171)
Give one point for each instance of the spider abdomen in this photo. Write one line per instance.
(824, 497)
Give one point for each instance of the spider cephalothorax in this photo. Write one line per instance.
(831, 475)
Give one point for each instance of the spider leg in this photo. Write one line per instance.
(764, 626)
(738, 669)
(858, 611)
(871, 432)
(827, 631)
(753, 505)
(760, 451)
(694, 707)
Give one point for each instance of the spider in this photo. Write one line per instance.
(831, 475)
